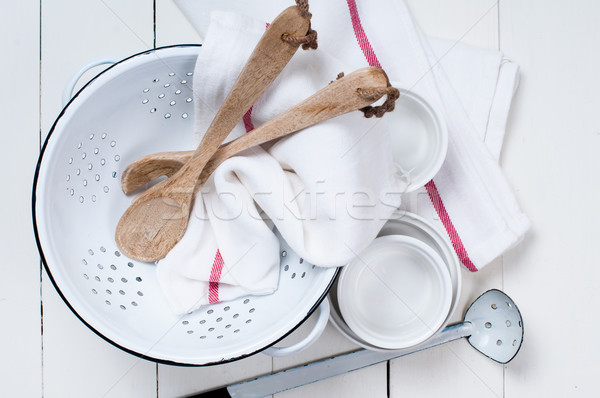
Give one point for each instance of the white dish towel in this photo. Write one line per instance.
(328, 189)
(473, 87)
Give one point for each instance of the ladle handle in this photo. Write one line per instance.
(320, 370)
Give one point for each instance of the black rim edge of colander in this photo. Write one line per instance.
(60, 293)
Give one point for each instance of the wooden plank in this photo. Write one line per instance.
(76, 361)
(456, 368)
(551, 158)
(20, 342)
(172, 27)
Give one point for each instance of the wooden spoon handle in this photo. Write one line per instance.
(267, 60)
(339, 97)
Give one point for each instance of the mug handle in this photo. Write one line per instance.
(315, 333)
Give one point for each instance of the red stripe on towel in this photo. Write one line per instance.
(361, 36)
(215, 276)
(459, 248)
(434, 195)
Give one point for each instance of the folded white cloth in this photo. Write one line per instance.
(328, 189)
(473, 88)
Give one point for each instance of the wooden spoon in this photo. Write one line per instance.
(156, 221)
(339, 97)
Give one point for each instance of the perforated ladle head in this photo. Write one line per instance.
(496, 326)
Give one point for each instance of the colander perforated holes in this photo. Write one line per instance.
(235, 316)
(156, 80)
(161, 95)
(293, 275)
(145, 90)
(494, 306)
(190, 331)
(514, 343)
(145, 101)
(498, 342)
(111, 280)
(94, 291)
(184, 115)
(283, 253)
(85, 276)
(167, 85)
(488, 325)
(134, 303)
(286, 268)
(167, 115)
(122, 307)
(188, 99)
(507, 323)
(83, 181)
(177, 92)
(303, 275)
(189, 74)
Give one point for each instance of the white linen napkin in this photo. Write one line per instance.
(473, 87)
(328, 189)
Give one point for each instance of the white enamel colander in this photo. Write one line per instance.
(141, 105)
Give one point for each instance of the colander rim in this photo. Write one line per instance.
(48, 268)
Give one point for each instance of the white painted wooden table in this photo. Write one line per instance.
(550, 156)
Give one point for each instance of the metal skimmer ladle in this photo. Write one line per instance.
(493, 326)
